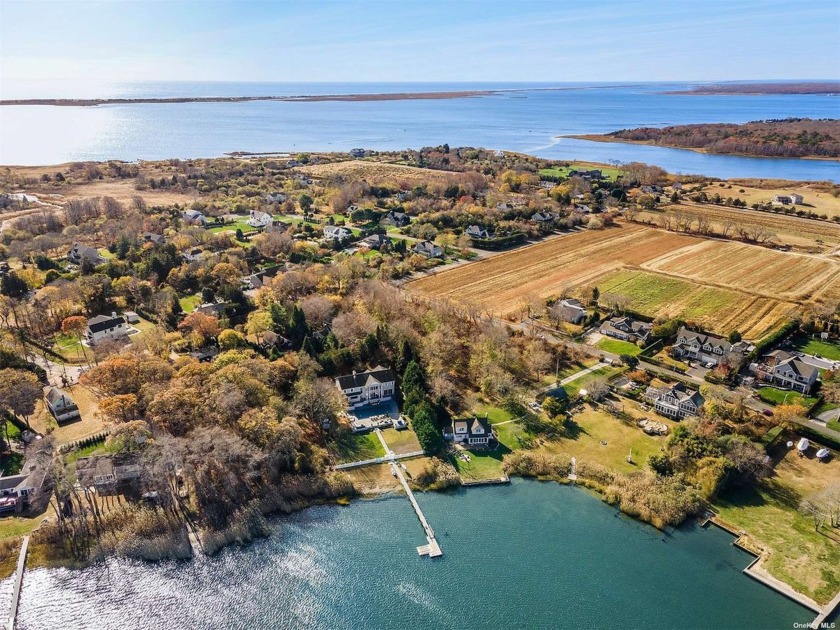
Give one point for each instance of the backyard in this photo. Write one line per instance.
(353, 447)
(826, 349)
(573, 388)
(802, 557)
(601, 438)
(401, 442)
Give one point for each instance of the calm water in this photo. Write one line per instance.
(528, 555)
(528, 120)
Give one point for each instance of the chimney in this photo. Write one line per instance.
(114, 314)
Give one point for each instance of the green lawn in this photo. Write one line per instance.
(190, 302)
(608, 172)
(482, 465)
(774, 396)
(99, 448)
(353, 447)
(802, 557)
(232, 227)
(826, 349)
(494, 414)
(511, 434)
(573, 388)
(833, 425)
(617, 346)
(400, 442)
(600, 438)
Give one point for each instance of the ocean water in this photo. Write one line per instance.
(529, 118)
(526, 555)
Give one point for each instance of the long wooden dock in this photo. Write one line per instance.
(432, 549)
(21, 565)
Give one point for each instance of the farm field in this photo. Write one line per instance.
(720, 285)
(806, 234)
(378, 171)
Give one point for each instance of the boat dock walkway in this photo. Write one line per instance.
(433, 548)
(21, 565)
(829, 608)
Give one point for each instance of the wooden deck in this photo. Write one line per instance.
(433, 549)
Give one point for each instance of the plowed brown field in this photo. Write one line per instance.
(721, 285)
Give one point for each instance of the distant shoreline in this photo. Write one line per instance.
(760, 89)
(651, 143)
(311, 98)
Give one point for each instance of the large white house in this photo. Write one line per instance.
(788, 371)
(707, 349)
(80, 252)
(676, 401)
(472, 431)
(260, 220)
(61, 406)
(428, 249)
(104, 327)
(367, 388)
(336, 233)
(569, 310)
(194, 217)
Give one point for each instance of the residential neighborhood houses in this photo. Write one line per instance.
(336, 233)
(475, 432)
(786, 370)
(396, 218)
(79, 253)
(569, 310)
(260, 220)
(428, 249)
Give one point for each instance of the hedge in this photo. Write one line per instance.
(810, 432)
(773, 338)
(500, 242)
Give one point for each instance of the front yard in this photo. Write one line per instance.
(774, 396)
(617, 346)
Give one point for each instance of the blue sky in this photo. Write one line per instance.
(458, 40)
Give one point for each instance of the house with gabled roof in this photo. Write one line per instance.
(543, 217)
(569, 310)
(399, 219)
(706, 348)
(194, 217)
(428, 249)
(15, 491)
(336, 233)
(786, 370)
(476, 231)
(376, 241)
(367, 388)
(626, 328)
(80, 252)
(476, 432)
(61, 406)
(675, 401)
(105, 327)
(260, 220)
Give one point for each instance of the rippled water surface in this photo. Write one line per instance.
(531, 121)
(527, 555)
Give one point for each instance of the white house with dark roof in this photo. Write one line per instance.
(704, 347)
(472, 431)
(543, 217)
(626, 329)
(376, 241)
(367, 388)
(336, 233)
(104, 327)
(676, 401)
(15, 491)
(260, 220)
(61, 406)
(786, 370)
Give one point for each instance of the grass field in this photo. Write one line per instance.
(594, 427)
(609, 172)
(617, 346)
(721, 286)
(353, 447)
(400, 442)
(379, 172)
(775, 396)
(802, 557)
(573, 388)
(377, 479)
(826, 349)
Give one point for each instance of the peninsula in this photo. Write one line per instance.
(823, 87)
(787, 138)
